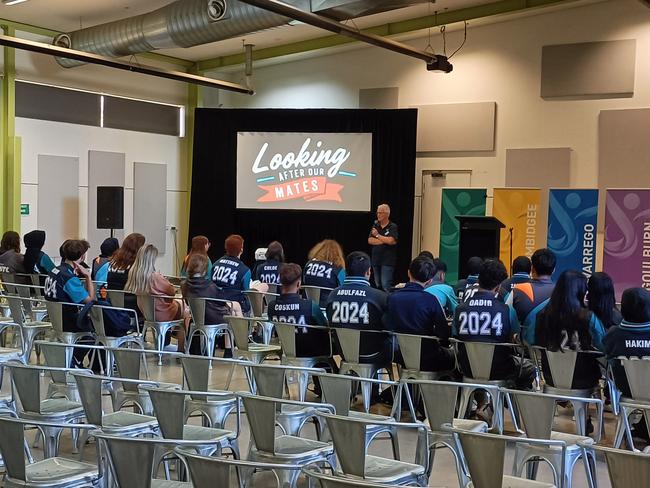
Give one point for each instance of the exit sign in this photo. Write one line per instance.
(24, 209)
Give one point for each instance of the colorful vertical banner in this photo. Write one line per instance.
(519, 210)
(455, 202)
(627, 239)
(572, 221)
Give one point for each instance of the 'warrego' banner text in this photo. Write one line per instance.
(304, 171)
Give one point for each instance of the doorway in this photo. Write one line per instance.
(433, 181)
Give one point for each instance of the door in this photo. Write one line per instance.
(432, 184)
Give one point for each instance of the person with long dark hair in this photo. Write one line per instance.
(565, 324)
(36, 261)
(200, 245)
(601, 300)
(11, 261)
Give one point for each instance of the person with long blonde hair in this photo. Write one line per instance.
(200, 245)
(145, 280)
(325, 268)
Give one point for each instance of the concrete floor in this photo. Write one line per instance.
(443, 473)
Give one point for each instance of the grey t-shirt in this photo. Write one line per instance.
(11, 262)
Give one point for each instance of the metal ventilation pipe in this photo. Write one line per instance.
(184, 23)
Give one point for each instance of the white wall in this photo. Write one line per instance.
(501, 62)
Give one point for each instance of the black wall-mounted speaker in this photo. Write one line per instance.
(110, 207)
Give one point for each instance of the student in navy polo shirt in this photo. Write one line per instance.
(325, 268)
(291, 308)
(63, 284)
(411, 310)
(355, 304)
(269, 271)
(483, 318)
(521, 268)
(466, 287)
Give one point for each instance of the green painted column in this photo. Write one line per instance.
(10, 173)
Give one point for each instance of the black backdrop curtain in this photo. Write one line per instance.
(213, 212)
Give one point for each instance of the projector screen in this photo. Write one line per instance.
(304, 171)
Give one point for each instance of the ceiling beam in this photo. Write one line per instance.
(42, 48)
(389, 29)
(42, 31)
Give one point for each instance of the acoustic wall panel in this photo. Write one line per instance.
(383, 98)
(104, 169)
(456, 127)
(58, 200)
(602, 69)
(150, 202)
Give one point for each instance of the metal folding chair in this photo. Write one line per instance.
(159, 328)
(29, 329)
(208, 332)
(632, 376)
(625, 468)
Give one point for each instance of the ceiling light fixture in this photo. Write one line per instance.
(12, 2)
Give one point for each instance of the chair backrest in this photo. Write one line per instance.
(128, 365)
(57, 356)
(97, 317)
(148, 306)
(484, 455)
(312, 292)
(626, 468)
(131, 460)
(287, 335)
(537, 412)
(116, 297)
(349, 438)
(196, 372)
(197, 309)
(16, 309)
(269, 380)
(350, 340)
(169, 407)
(411, 348)
(12, 438)
(90, 392)
(36, 281)
(480, 356)
(561, 365)
(440, 398)
(256, 300)
(240, 327)
(27, 384)
(637, 372)
(261, 415)
(337, 390)
(55, 315)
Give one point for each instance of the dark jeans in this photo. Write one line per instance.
(383, 276)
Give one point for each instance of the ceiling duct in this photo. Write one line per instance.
(188, 23)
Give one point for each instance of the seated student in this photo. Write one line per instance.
(466, 287)
(196, 286)
(601, 300)
(100, 263)
(11, 261)
(269, 271)
(325, 268)
(200, 245)
(441, 290)
(565, 323)
(291, 308)
(36, 261)
(145, 280)
(528, 299)
(411, 310)
(483, 318)
(521, 268)
(63, 284)
(356, 305)
(120, 263)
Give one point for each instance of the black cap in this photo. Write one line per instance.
(109, 246)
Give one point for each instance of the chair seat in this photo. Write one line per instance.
(121, 419)
(470, 425)
(53, 470)
(389, 470)
(570, 439)
(9, 354)
(515, 482)
(370, 416)
(198, 433)
(60, 406)
(263, 347)
(170, 484)
(37, 324)
(288, 445)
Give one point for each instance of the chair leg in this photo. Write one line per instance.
(580, 413)
(589, 459)
(232, 370)
(395, 443)
(620, 428)
(366, 392)
(51, 437)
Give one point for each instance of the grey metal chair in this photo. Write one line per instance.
(440, 405)
(349, 436)
(62, 384)
(634, 374)
(625, 468)
(134, 461)
(55, 316)
(314, 292)
(111, 342)
(270, 381)
(485, 455)
(26, 383)
(52, 472)
(244, 347)
(259, 303)
(169, 407)
(208, 332)
(333, 481)
(411, 346)
(350, 342)
(337, 391)
(158, 328)
(287, 335)
(284, 449)
(210, 472)
(537, 411)
(29, 329)
(480, 357)
(559, 370)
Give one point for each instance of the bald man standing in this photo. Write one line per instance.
(383, 239)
